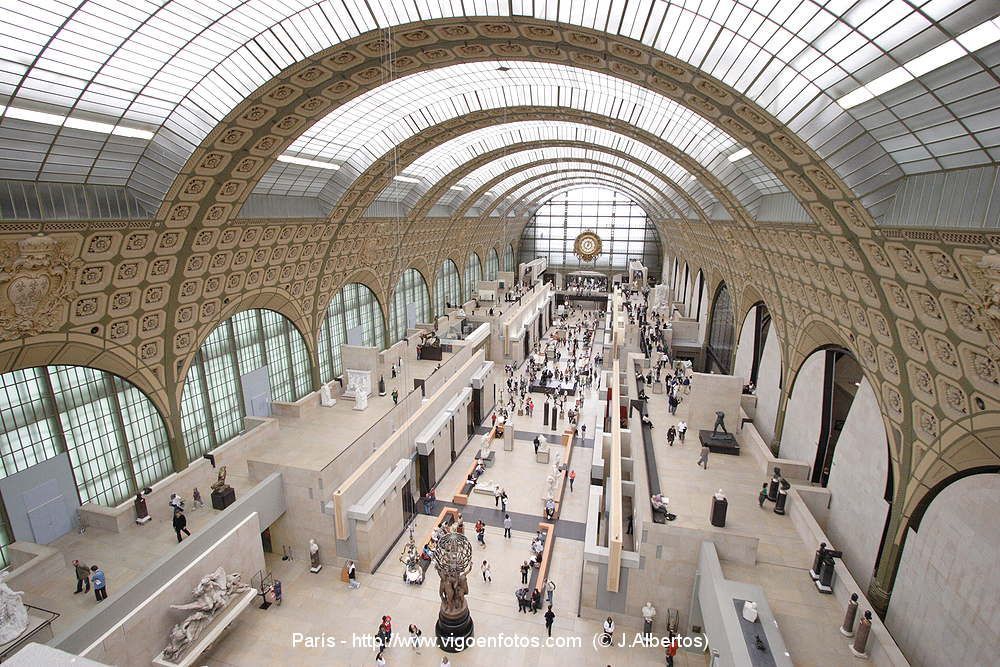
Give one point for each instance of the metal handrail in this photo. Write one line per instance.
(18, 643)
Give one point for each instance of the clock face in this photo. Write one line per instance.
(587, 246)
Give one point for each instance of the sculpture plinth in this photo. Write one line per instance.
(453, 561)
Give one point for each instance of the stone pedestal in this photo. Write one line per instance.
(454, 632)
(719, 442)
(508, 438)
(719, 508)
(542, 455)
(223, 498)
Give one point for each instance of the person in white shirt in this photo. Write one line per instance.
(682, 428)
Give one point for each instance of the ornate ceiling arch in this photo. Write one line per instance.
(435, 194)
(508, 181)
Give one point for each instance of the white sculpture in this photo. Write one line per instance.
(360, 400)
(750, 611)
(211, 596)
(314, 562)
(550, 490)
(719, 495)
(358, 381)
(648, 612)
(325, 397)
(13, 615)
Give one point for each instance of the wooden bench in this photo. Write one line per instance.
(447, 516)
(538, 575)
(461, 496)
(568, 436)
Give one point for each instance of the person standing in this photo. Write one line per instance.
(572, 478)
(671, 652)
(682, 428)
(671, 434)
(100, 583)
(549, 618)
(180, 524)
(537, 443)
(536, 600)
(481, 533)
(82, 577)
(761, 496)
(506, 526)
(703, 459)
(415, 638)
(503, 500)
(496, 496)
(550, 590)
(487, 574)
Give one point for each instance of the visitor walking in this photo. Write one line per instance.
(487, 573)
(572, 478)
(682, 428)
(671, 434)
(550, 590)
(379, 660)
(82, 577)
(503, 500)
(609, 629)
(415, 638)
(703, 459)
(481, 533)
(100, 583)
(180, 524)
(506, 526)
(549, 618)
(761, 496)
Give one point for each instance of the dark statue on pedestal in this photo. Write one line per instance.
(453, 561)
(720, 422)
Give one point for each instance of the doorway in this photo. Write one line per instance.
(477, 406)
(265, 541)
(409, 507)
(451, 435)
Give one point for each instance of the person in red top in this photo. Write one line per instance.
(671, 652)
(572, 477)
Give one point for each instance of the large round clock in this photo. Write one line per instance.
(587, 246)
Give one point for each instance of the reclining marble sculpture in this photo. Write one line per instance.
(13, 615)
(212, 595)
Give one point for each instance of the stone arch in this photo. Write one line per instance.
(941, 605)
(267, 299)
(80, 349)
(371, 280)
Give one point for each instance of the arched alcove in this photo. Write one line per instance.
(354, 317)
(721, 333)
(758, 360)
(473, 274)
(115, 437)
(411, 303)
(943, 609)
(508, 258)
(492, 265)
(447, 288)
(214, 404)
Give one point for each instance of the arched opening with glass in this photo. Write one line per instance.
(447, 288)
(213, 406)
(623, 226)
(353, 317)
(473, 274)
(411, 303)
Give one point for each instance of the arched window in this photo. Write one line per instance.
(212, 407)
(473, 274)
(721, 333)
(622, 225)
(492, 265)
(508, 258)
(355, 305)
(447, 288)
(115, 437)
(410, 294)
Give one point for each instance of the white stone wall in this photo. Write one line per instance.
(800, 434)
(857, 486)
(744, 348)
(945, 605)
(768, 389)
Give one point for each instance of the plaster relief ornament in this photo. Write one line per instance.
(989, 294)
(587, 246)
(13, 615)
(37, 278)
(212, 595)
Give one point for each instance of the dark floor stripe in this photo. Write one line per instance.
(526, 523)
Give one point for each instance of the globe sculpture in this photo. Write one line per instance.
(453, 561)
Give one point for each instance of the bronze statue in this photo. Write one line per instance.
(453, 561)
(220, 483)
